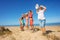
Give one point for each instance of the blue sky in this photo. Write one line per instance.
(11, 10)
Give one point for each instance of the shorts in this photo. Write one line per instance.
(23, 24)
(42, 23)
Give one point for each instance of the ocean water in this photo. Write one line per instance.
(53, 24)
(47, 24)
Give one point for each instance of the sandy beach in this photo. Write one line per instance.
(54, 34)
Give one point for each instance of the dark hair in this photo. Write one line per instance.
(30, 10)
(21, 18)
(41, 8)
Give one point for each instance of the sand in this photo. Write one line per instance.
(16, 34)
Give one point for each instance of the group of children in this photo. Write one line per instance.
(29, 20)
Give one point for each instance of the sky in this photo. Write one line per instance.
(12, 10)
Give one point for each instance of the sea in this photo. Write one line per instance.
(47, 24)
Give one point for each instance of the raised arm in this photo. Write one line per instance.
(43, 7)
(37, 10)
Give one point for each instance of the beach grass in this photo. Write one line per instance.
(17, 34)
(4, 31)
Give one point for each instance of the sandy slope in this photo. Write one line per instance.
(30, 35)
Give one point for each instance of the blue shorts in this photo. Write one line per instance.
(23, 24)
(42, 23)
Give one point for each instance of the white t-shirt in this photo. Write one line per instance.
(41, 14)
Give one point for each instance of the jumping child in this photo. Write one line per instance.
(31, 19)
(22, 24)
(42, 20)
(26, 17)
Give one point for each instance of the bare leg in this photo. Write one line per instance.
(32, 27)
(21, 28)
(43, 30)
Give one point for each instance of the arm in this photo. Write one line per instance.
(43, 7)
(37, 10)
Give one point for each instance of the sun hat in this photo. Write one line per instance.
(36, 6)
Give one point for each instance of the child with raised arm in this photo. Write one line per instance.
(42, 20)
(26, 17)
(22, 24)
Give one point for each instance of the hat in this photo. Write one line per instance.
(37, 6)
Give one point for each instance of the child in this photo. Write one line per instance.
(31, 19)
(40, 11)
(26, 17)
(22, 24)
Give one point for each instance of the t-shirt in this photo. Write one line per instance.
(23, 22)
(41, 14)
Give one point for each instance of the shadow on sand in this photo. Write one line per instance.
(49, 31)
